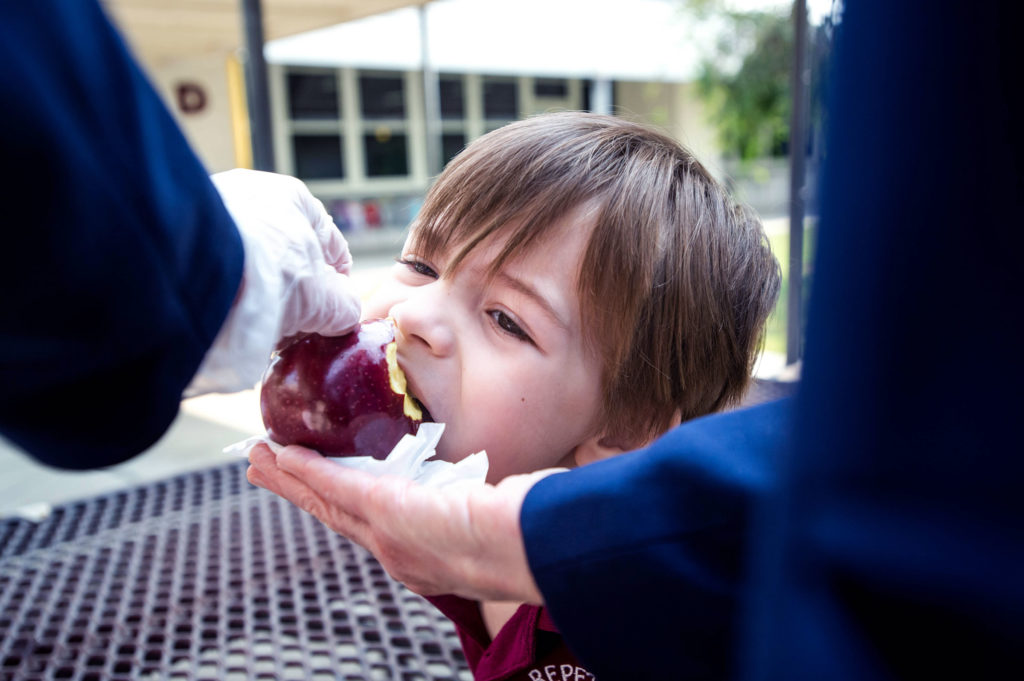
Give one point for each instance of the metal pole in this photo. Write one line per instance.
(431, 99)
(797, 182)
(258, 91)
(601, 96)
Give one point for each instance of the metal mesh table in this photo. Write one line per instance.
(204, 577)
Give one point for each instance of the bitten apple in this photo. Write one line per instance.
(342, 396)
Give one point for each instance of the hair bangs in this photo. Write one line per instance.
(519, 199)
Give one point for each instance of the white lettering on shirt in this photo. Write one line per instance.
(563, 672)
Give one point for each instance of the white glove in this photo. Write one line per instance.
(295, 277)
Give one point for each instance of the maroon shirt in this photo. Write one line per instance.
(528, 647)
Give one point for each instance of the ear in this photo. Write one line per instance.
(595, 449)
(602, 447)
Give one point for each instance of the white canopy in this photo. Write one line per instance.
(649, 40)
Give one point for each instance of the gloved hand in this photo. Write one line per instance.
(295, 277)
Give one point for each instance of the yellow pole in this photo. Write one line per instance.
(239, 113)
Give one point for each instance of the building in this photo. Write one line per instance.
(351, 105)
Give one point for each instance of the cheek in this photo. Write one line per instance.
(535, 426)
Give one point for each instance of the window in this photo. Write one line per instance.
(551, 88)
(314, 110)
(382, 97)
(501, 101)
(312, 96)
(351, 130)
(384, 125)
(453, 104)
(317, 157)
(451, 144)
(387, 153)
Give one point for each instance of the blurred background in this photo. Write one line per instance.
(365, 100)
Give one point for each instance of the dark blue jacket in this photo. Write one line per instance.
(119, 260)
(889, 543)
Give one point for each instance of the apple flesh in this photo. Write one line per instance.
(342, 396)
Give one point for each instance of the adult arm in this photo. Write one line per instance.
(642, 559)
(122, 261)
(895, 548)
(130, 271)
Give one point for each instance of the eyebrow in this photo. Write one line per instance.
(534, 295)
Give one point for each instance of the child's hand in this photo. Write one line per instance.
(463, 541)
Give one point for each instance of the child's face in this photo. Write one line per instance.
(502, 363)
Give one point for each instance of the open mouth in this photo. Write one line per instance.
(413, 407)
(423, 410)
(414, 402)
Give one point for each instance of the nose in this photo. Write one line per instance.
(425, 318)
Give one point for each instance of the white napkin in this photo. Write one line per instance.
(409, 459)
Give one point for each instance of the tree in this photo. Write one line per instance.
(746, 73)
(745, 77)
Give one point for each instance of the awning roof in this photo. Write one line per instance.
(164, 31)
(617, 39)
(621, 39)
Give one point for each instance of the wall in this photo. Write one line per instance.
(676, 108)
(763, 184)
(208, 129)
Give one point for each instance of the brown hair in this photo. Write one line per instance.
(677, 279)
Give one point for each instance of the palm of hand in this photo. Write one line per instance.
(459, 540)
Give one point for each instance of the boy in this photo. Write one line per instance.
(573, 287)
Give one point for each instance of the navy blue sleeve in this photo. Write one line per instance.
(120, 260)
(642, 557)
(895, 549)
(890, 544)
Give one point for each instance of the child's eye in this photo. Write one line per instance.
(417, 266)
(509, 326)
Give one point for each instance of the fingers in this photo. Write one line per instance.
(332, 242)
(266, 471)
(346, 489)
(263, 472)
(341, 305)
(321, 302)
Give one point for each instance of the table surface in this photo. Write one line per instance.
(207, 578)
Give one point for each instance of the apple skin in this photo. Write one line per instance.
(335, 394)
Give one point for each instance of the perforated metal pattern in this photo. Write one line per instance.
(204, 577)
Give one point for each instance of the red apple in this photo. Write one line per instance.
(342, 396)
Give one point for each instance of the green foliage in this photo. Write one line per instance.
(745, 78)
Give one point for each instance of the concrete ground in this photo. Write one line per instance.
(204, 427)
